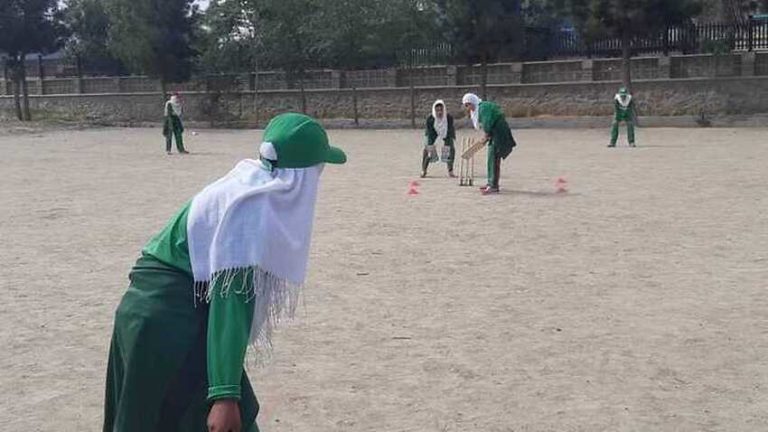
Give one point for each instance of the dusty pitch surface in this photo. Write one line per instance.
(635, 302)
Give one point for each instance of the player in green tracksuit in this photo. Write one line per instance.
(623, 111)
(439, 126)
(220, 274)
(172, 125)
(489, 117)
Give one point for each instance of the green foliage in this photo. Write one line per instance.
(288, 33)
(482, 30)
(359, 33)
(543, 13)
(28, 26)
(89, 25)
(230, 40)
(155, 37)
(618, 18)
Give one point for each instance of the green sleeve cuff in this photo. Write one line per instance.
(224, 392)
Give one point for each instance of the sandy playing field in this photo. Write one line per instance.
(637, 301)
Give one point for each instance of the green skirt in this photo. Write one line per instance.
(157, 377)
(502, 141)
(172, 125)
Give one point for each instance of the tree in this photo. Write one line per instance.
(629, 19)
(154, 37)
(484, 30)
(28, 26)
(738, 11)
(89, 25)
(290, 37)
(542, 13)
(230, 40)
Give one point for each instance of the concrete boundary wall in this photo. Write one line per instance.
(738, 97)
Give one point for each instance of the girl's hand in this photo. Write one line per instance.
(224, 416)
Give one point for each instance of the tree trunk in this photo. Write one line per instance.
(16, 96)
(626, 60)
(413, 104)
(354, 106)
(12, 67)
(25, 91)
(164, 90)
(484, 78)
(303, 93)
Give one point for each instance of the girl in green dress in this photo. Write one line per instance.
(172, 125)
(225, 269)
(489, 117)
(623, 111)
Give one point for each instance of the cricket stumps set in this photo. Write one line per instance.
(467, 161)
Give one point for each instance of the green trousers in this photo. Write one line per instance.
(174, 129)
(630, 131)
(493, 167)
(156, 374)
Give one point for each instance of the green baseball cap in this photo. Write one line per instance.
(294, 140)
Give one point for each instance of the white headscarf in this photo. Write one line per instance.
(623, 99)
(471, 98)
(441, 124)
(175, 104)
(258, 221)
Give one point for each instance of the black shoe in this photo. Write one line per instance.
(611, 145)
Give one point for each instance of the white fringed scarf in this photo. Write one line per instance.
(441, 124)
(175, 105)
(471, 98)
(258, 221)
(624, 101)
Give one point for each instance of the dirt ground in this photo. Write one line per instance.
(634, 302)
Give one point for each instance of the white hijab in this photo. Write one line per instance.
(175, 104)
(258, 221)
(471, 98)
(441, 124)
(623, 100)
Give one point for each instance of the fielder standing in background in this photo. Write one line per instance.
(172, 126)
(489, 117)
(623, 111)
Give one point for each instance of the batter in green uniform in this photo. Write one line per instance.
(624, 111)
(217, 278)
(489, 117)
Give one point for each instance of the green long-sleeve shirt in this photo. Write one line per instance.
(229, 317)
(495, 125)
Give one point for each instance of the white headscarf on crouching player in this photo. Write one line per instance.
(471, 98)
(441, 123)
(257, 220)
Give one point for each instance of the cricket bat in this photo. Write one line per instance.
(473, 149)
